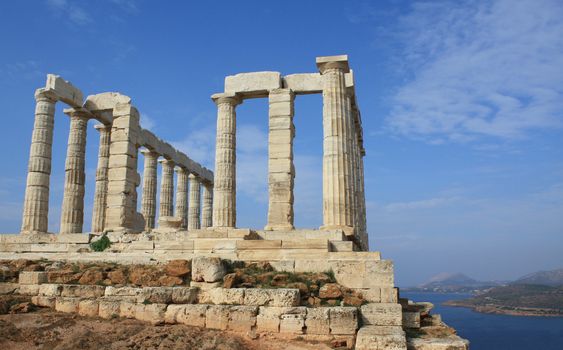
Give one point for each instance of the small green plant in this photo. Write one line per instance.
(101, 244)
(147, 302)
(330, 275)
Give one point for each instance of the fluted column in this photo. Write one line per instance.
(207, 205)
(167, 189)
(36, 203)
(148, 201)
(224, 191)
(194, 204)
(72, 212)
(337, 205)
(182, 195)
(101, 191)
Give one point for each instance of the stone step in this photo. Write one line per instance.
(381, 338)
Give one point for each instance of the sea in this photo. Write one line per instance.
(495, 332)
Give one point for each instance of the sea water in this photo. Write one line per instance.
(496, 332)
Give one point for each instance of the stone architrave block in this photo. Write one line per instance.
(192, 315)
(108, 309)
(69, 305)
(317, 321)
(382, 314)
(207, 269)
(254, 84)
(217, 317)
(88, 308)
(153, 313)
(32, 277)
(64, 90)
(305, 83)
(343, 320)
(242, 318)
(381, 338)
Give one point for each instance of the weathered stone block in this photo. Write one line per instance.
(205, 269)
(217, 317)
(242, 318)
(155, 295)
(382, 314)
(123, 291)
(88, 308)
(223, 296)
(268, 319)
(381, 338)
(305, 83)
(108, 309)
(183, 295)
(44, 301)
(70, 305)
(343, 320)
(127, 309)
(32, 277)
(292, 320)
(82, 291)
(64, 90)
(192, 315)
(50, 289)
(153, 313)
(256, 84)
(411, 319)
(28, 289)
(282, 297)
(389, 295)
(317, 321)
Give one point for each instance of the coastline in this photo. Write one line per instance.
(506, 310)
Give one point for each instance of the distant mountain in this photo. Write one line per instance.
(552, 278)
(453, 283)
(450, 279)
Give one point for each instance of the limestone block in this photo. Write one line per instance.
(192, 315)
(381, 338)
(171, 313)
(283, 137)
(50, 290)
(305, 265)
(28, 289)
(281, 109)
(280, 123)
(343, 320)
(44, 301)
(171, 222)
(411, 319)
(123, 291)
(217, 317)
(65, 91)
(283, 265)
(82, 291)
(212, 245)
(222, 296)
(174, 245)
(282, 297)
(205, 285)
(67, 304)
(8, 288)
(88, 308)
(292, 320)
(32, 277)
(306, 83)
(389, 295)
(183, 295)
(153, 313)
(382, 314)
(256, 84)
(341, 246)
(127, 309)
(155, 295)
(258, 244)
(350, 274)
(317, 321)
(49, 248)
(73, 238)
(242, 318)
(268, 319)
(108, 309)
(205, 269)
(379, 273)
(452, 342)
(306, 244)
(106, 100)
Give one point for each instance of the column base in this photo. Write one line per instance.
(287, 227)
(348, 230)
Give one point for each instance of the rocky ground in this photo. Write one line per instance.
(45, 329)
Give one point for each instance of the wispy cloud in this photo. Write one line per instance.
(147, 122)
(421, 204)
(488, 68)
(75, 13)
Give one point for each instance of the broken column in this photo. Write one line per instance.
(281, 171)
(336, 160)
(224, 190)
(36, 203)
(100, 193)
(167, 189)
(207, 205)
(72, 211)
(194, 202)
(182, 196)
(148, 201)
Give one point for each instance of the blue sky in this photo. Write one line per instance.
(462, 104)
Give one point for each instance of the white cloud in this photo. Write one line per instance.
(480, 69)
(147, 122)
(421, 204)
(71, 10)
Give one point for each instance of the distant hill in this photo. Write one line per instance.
(453, 283)
(450, 279)
(552, 278)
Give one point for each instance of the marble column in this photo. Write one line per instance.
(148, 201)
(167, 188)
(224, 190)
(72, 212)
(194, 203)
(337, 213)
(36, 203)
(182, 195)
(207, 205)
(281, 172)
(101, 191)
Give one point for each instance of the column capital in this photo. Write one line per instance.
(168, 162)
(102, 127)
(181, 170)
(45, 95)
(78, 113)
(149, 153)
(231, 98)
(193, 176)
(333, 62)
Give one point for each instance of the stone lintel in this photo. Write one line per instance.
(79, 111)
(326, 62)
(64, 90)
(255, 84)
(304, 83)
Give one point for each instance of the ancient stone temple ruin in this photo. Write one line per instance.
(319, 284)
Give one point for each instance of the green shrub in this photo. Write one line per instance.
(101, 244)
